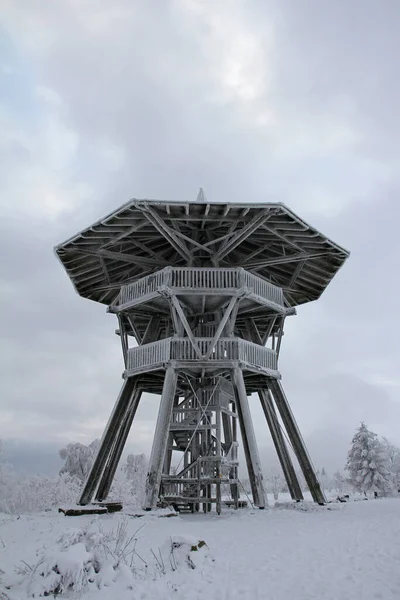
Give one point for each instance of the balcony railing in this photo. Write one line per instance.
(143, 287)
(204, 279)
(149, 356)
(154, 356)
(262, 288)
(259, 356)
(188, 280)
(225, 349)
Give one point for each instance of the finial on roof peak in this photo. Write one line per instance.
(201, 197)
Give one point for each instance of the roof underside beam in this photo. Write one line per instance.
(289, 258)
(191, 241)
(128, 231)
(166, 231)
(120, 256)
(241, 235)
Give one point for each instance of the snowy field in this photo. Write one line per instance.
(340, 551)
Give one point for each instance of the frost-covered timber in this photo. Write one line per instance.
(201, 292)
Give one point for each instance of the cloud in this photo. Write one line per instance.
(260, 101)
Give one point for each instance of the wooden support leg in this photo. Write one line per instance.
(106, 444)
(228, 439)
(168, 455)
(235, 487)
(297, 441)
(280, 445)
(160, 439)
(218, 454)
(249, 439)
(119, 445)
(226, 424)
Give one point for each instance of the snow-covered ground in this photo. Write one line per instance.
(338, 552)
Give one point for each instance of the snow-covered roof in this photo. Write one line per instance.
(143, 236)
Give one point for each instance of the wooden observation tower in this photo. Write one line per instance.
(201, 292)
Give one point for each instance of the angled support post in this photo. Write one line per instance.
(124, 338)
(168, 455)
(296, 440)
(186, 325)
(232, 303)
(119, 445)
(152, 330)
(280, 445)
(249, 439)
(160, 439)
(229, 440)
(106, 444)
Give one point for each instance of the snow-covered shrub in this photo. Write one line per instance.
(83, 560)
(36, 493)
(20, 494)
(6, 485)
(187, 552)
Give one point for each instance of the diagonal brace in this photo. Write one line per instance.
(224, 320)
(243, 234)
(166, 231)
(186, 325)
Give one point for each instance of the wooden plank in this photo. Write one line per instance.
(83, 510)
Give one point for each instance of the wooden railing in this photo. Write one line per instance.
(264, 289)
(197, 280)
(143, 287)
(184, 416)
(203, 278)
(156, 354)
(259, 356)
(149, 355)
(224, 349)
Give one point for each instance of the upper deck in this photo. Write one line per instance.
(144, 236)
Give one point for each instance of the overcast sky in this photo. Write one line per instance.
(288, 100)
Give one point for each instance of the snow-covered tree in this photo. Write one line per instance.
(392, 453)
(29, 494)
(339, 482)
(367, 462)
(275, 482)
(136, 465)
(324, 479)
(78, 459)
(129, 481)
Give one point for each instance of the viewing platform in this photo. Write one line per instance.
(195, 284)
(226, 353)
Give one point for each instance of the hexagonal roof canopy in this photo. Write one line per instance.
(143, 236)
